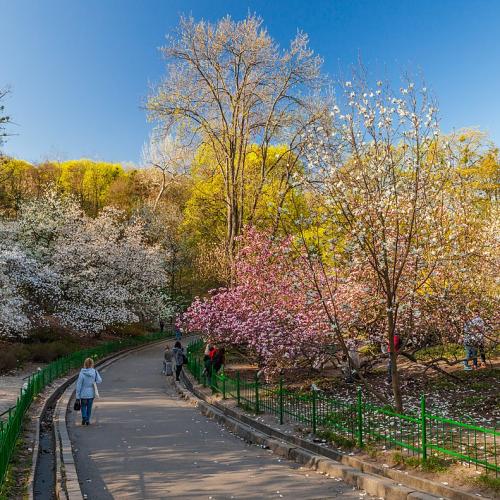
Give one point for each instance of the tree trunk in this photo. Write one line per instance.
(391, 328)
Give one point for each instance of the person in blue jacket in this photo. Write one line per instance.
(86, 388)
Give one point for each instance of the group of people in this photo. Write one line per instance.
(214, 359)
(177, 330)
(173, 360)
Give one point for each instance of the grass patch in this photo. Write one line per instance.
(491, 482)
(432, 464)
(452, 352)
(337, 439)
(371, 450)
(448, 351)
(15, 484)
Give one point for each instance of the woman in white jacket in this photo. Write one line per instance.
(86, 390)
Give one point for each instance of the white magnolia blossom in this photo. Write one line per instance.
(88, 273)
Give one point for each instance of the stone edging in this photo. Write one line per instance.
(377, 481)
(36, 444)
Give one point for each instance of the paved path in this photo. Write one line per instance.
(10, 385)
(144, 443)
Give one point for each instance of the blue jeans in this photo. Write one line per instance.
(86, 409)
(470, 353)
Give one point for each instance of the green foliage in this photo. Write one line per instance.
(489, 481)
(336, 438)
(131, 330)
(449, 351)
(369, 350)
(15, 483)
(371, 449)
(89, 181)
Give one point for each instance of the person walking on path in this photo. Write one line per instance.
(474, 341)
(179, 359)
(167, 361)
(86, 389)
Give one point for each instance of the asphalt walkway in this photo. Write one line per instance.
(146, 443)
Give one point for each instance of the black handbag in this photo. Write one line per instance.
(78, 405)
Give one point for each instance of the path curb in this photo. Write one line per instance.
(36, 443)
(376, 480)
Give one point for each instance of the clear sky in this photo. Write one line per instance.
(79, 70)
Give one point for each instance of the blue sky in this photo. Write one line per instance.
(79, 70)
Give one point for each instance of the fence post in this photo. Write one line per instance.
(314, 411)
(238, 387)
(360, 418)
(256, 393)
(281, 399)
(423, 428)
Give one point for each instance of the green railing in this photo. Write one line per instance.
(359, 422)
(11, 421)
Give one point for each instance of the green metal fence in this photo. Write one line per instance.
(11, 421)
(422, 434)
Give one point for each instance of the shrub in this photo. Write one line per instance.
(8, 360)
(50, 351)
(130, 330)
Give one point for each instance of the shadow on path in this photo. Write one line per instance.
(144, 443)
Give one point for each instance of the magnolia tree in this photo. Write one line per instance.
(26, 285)
(267, 310)
(381, 171)
(88, 273)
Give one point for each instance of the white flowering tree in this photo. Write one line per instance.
(380, 169)
(108, 275)
(26, 286)
(88, 273)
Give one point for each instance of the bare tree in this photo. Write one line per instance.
(229, 86)
(169, 156)
(4, 119)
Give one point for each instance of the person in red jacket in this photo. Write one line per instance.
(397, 345)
